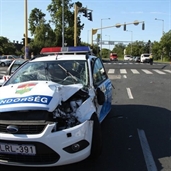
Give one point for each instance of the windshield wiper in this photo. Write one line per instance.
(67, 72)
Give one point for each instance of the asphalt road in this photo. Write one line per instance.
(136, 133)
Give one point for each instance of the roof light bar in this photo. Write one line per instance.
(77, 49)
(50, 50)
(70, 49)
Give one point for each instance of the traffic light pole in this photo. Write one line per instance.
(86, 14)
(94, 31)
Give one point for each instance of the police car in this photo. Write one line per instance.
(51, 108)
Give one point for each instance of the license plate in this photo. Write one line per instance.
(17, 149)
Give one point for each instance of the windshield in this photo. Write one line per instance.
(62, 72)
(146, 55)
(16, 64)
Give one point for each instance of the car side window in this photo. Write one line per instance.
(99, 74)
(10, 57)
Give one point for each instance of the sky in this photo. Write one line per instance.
(12, 23)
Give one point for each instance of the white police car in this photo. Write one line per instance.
(51, 109)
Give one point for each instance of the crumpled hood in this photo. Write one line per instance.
(37, 95)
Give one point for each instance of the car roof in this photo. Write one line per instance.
(64, 53)
(60, 57)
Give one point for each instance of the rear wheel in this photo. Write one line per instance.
(96, 148)
(2, 64)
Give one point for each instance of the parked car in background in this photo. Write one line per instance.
(128, 58)
(136, 58)
(13, 66)
(113, 57)
(145, 58)
(6, 60)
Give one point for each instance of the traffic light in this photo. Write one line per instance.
(143, 26)
(89, 16)
(28, 40)
(85, 12)
(124, 27)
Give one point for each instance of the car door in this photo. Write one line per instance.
(103, 88)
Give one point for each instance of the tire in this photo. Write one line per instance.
(2, 64)
(96, 148)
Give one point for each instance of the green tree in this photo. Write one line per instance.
(119, 49)
(105, 53)
(55, 10)
(156, 50)
(6, 47)
(165, 45)
(44, 35)
(36, 18)
(138, 48)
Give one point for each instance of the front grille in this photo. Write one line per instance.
(44, 155)
(24, 129)
(27, 122)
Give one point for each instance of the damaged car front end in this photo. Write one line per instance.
(49, 113)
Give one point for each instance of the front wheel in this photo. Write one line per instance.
(96, 148)
(2, 64)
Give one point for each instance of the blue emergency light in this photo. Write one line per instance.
(79, 49)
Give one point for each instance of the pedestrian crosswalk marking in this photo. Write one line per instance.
(158, 71)
(123, 71)
(169, 71)
(147, 71)
(111, 71)
(134, 71)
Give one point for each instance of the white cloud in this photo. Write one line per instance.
(133, 12)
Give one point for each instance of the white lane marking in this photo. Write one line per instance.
(146, 71)
(111, 71)
(113, 77)
(134, 71)
(129, 93)
(3, 72)
(158, 71)
(169, 71)
(123, 71)
(124, 76)
(151, 166)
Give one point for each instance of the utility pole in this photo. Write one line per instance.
(76, 8)
(63, 41)
(26, 32)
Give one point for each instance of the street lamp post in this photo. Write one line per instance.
(101, 35)
(131, 39)
(162, 31)
(88, 36)
(162, 24)
(109, 41)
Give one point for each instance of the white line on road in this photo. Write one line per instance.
(169, 71)
(111, 71)
(134, 71)
(151, 166)
(158, 71)
(124, 76)
(129, 93)
(146, 71)
(123, 71)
